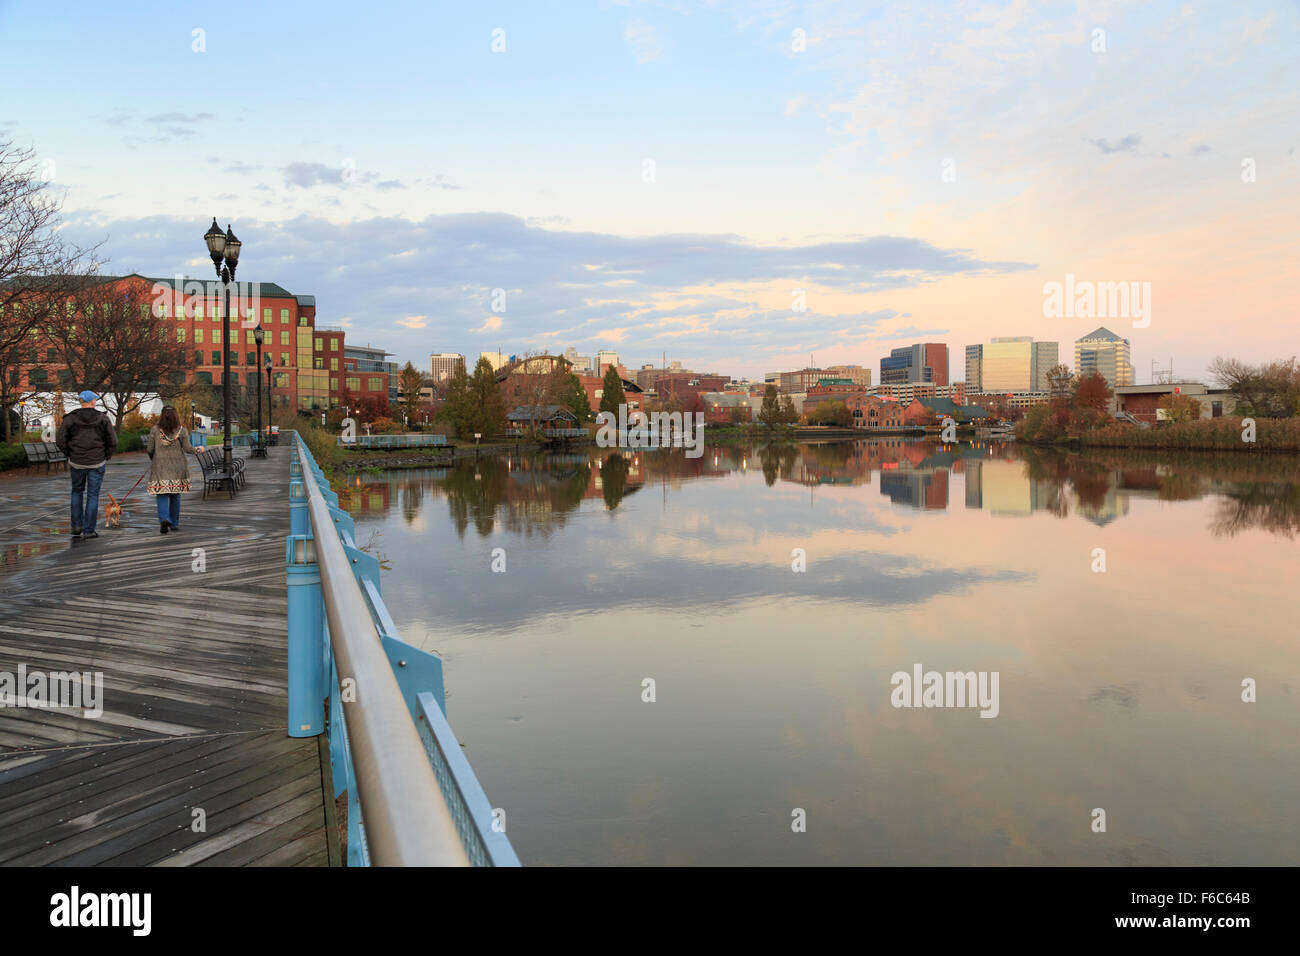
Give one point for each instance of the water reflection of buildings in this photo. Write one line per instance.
(1004, 486)
(537, 492)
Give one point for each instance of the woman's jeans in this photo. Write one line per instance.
(169, 509)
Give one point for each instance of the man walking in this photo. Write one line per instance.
(87, 438)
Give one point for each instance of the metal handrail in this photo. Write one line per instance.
(407, 819)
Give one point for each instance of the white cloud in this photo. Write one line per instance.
(414, 321)
(643, 39)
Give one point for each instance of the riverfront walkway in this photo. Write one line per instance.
(194, 682)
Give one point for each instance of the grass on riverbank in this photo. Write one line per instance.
(1210, 434)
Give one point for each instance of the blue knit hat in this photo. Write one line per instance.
(88, 396)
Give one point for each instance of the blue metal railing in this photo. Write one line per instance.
(412, 440)
(412, 797)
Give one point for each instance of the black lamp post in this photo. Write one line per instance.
(260, 450)
(269, 416)
(224, 246)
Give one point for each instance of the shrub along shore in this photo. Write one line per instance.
(1210, 434)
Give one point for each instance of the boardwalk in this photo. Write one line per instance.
(193, 667)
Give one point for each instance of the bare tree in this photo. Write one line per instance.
(38, 268)
(539, 380)
(1269, 390)
(109, 339)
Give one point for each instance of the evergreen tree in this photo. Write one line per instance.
(770, 413)
(788, 414)
(612, 391)
(488, 410)
(456, 408)
(575, 399)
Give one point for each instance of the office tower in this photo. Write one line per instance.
(443, 365)
(1104, 352)
(923, 362)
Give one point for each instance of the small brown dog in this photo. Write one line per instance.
(112, 513)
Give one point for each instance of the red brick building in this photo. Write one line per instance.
(868, 411)
(193, 308)
(688, 388)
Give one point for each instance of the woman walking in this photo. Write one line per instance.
(169, 475)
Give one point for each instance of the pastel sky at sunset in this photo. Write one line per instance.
(660, 177)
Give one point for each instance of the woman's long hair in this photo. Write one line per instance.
(169, 422)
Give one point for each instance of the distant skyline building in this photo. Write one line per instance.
(497, 359)
(581, 363)
(1104, 352)
(857, 374)
(923, 362)
(1010, 364)
(603, 358)
(443, 365)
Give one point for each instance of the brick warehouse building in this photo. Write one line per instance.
(193, 307)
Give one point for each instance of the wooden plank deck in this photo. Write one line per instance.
(194, 682)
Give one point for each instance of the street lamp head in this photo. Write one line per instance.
(232, 248)
(259, 335)
(216, 240)
(268, 363)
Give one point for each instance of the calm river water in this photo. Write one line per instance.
(1119, 690)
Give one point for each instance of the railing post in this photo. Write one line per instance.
(307, 691)
(299, 519)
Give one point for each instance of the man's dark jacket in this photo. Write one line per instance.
(86, 437)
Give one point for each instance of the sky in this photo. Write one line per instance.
(742, 187)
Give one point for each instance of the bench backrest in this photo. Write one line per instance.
(52, 450)
(37, 452)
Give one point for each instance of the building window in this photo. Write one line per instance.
(376, 385)
(319, 344)
(216, 336)
(302, 321)
(266, 316)
(284, 360)
(180, 336)
(234, 357)
(334, 365)
(250, 358)
(334, 383)
(284, 337)
(284, 316)
(198, 357)
(281, 379)
(334, 345)
(216, 358)
(352, 384)
(203, 378)
(318, 363)
(198, 308)
(198, 336)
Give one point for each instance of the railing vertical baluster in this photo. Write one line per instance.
(307, 691)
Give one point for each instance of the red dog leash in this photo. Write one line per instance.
(133, 487)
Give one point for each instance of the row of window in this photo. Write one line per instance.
(200, 311)
(250, 358)
(182, 334)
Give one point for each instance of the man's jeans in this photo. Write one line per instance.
(86, 481)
